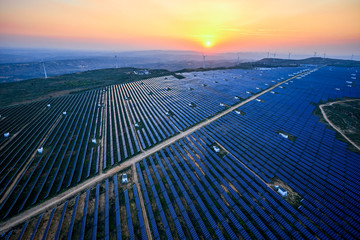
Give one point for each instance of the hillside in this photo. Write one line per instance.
(41, 88)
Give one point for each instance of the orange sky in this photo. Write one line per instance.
(227, 25)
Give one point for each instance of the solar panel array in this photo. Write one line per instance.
(188, 190)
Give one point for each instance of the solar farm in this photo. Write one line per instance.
(220, 154)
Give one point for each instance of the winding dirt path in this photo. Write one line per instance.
(333, 125)
(36, 210)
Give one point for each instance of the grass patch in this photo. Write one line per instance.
(346, 117)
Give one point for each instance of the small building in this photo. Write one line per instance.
(137, 124)
(93, 140)
(272, 92)
(237, 112)
(284, 135)
(64, 113)
(48, 105)
(282, 192)
(222, 104)
(248, 92)
(337, 89)
(7, 134)
(258, 100)
(99, 105)
(216, 149)
(124, 178)
(237, 98)
(40, 150)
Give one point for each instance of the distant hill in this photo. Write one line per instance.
(277, 62)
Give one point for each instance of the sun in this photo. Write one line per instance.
(208, 44)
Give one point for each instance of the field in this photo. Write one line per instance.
(186, 189)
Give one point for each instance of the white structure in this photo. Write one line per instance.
(64, 113)
(137, 125)
(237, 112)
(7, 134)
(48, 105)
(93, 140)
(216, 149)
(337, 89)
(203, 61)
(282, 192)
(236, 97)
(221, 104)
(40, 150)
(284, 135)
(272, 92)
(349, 82)
(124, 178)
(258, 100)
(99, 105)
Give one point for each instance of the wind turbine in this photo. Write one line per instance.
(45, 74)
(289, 55)
(324, 55)
(314, 54)
(238, 59)
(268, 54)
(203, 66)
(352, 56)
(116, 62)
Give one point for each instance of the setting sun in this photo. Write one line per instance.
(208, 44)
